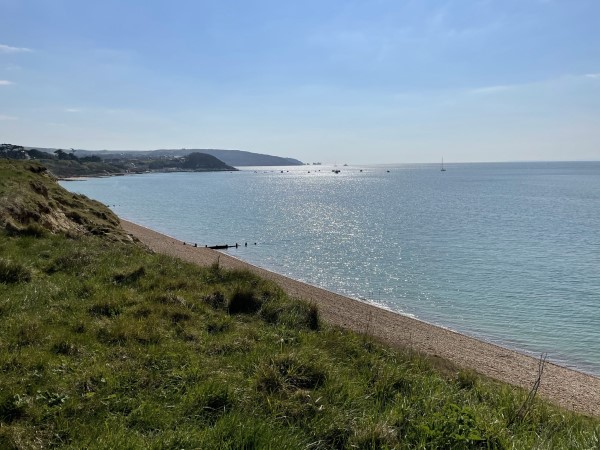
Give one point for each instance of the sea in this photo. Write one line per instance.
(505, 252)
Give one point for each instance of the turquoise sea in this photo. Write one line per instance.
(507, 252)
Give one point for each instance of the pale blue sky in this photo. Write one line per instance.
(333, 81)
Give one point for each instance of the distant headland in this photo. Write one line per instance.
(78, 162)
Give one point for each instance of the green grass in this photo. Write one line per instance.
(106, 345)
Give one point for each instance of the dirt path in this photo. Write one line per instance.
(571, 389)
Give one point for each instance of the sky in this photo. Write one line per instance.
(319, 80)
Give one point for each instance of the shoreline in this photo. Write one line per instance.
(123, 174)
(569, 388)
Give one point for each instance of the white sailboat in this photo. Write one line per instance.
(443, 169)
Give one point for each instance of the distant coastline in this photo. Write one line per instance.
(74, 163)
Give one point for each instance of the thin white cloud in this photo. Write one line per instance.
(492, 89)
(442, 24)
(5, 82)
(5, 117)
(73, 110)
(9, 49)
(561, 80)
(12, 67)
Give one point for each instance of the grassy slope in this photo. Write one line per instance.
(66, 168)
(32, 203)
(105, 345)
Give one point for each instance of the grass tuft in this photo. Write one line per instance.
(69, 262)
(243, 300)
(215, 300)
(11, 407)
(105, 309)
(288, 372)
(130, 276)
(466, 379)
(34, 230)
(208, 402)
(12, 272)
(65, 348)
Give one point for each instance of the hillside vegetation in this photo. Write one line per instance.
(67, 164)
(104, 344)
(235, 158)
(32, 203)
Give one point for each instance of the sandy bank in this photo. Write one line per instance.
(571, 389)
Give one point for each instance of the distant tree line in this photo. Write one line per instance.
(65, 163)
(11, 151)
